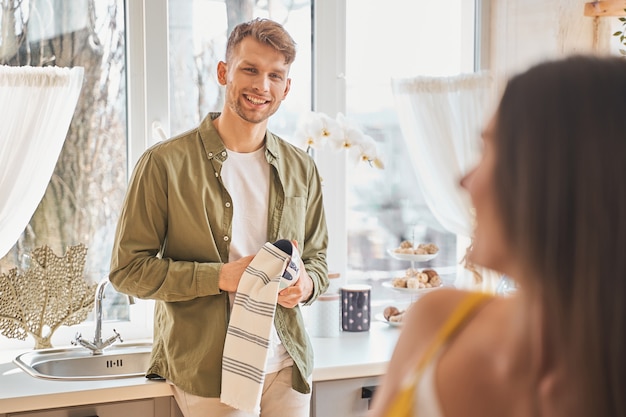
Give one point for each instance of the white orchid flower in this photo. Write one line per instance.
(368, 152)
(350, 135)
(315, 129)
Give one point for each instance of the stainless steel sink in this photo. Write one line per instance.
(79, 364)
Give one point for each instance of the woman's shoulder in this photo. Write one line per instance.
(483, 369)
(431, 311)
(444, 298)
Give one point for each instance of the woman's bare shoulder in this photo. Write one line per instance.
(431, 311)
(424, 318)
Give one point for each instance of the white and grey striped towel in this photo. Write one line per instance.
(274, 267)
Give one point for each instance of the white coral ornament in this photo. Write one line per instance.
(51, 293)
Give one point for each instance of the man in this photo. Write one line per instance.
(200, 206)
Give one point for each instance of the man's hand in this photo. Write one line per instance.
(300, 291)
(231, 273)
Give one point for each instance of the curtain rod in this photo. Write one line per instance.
(606, 8)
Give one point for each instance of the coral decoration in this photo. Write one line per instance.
(52, 292)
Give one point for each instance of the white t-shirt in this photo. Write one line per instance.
(246, 176)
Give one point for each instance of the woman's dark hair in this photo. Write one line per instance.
(265, 31)
(560, 175)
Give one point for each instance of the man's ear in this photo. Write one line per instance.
(287, 88)
(221, 72)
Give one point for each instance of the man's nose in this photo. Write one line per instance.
(262, 83)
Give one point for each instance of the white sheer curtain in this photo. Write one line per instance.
(441, 119)
(36, 107)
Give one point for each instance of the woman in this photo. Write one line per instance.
(550, 204)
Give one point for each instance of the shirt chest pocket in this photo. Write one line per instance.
(292, 224)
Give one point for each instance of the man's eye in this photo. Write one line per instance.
(250, 70)
(276, 76)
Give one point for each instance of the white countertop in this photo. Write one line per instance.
(354, 355)
(350, 355)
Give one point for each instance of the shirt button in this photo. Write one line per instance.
(225, 238)
(210, 153)
(227, 204)
(223, 153)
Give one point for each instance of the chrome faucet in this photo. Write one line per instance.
(97, 345)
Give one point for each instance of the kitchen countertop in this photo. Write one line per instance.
(350, 355)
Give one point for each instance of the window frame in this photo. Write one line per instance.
(329, 96)
(147, 77)
(148, 105)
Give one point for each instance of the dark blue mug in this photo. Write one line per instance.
(355, 308)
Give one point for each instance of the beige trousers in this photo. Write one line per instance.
(278, 400)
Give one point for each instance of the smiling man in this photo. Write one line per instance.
(200, 206)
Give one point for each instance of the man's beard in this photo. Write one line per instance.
(255, 117)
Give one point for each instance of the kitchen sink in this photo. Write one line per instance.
(79, 364)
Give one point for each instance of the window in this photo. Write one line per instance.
(204, 24)
(386, 207)
(85, 193)
(401, 38)
(153, 68)
(83, 198)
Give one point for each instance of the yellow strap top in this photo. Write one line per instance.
(403, 403)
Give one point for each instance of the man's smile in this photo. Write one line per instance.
(255, 100)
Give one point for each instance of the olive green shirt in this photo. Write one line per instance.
(173, 237)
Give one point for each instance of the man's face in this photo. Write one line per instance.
(256, 80)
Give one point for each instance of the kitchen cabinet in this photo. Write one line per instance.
(342, 397)
(150, 407)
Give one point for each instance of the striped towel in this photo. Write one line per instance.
(247, 339)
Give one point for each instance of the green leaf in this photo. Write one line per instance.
(617, 33)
